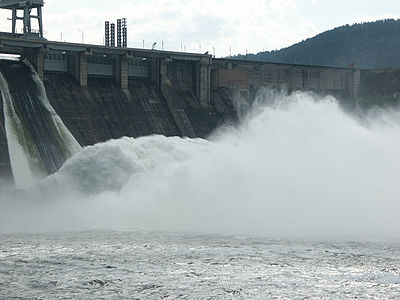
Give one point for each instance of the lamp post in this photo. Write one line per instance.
(199, 46)
(82, 34)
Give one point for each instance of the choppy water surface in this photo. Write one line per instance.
(297, 166)
(107, 264)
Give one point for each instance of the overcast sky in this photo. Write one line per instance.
(228, 26)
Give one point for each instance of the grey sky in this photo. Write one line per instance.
(226, 25)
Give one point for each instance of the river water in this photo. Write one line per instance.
(155, 265)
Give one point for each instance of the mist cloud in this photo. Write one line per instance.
(297, 166)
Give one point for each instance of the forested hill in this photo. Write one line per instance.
(367, 45)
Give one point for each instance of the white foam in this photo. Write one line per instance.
(108, 166)
(14, 57)
(22, 172)
(297, 166)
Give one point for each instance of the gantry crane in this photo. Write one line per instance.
(26, 7)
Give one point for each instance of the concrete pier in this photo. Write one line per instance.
(78, 67)
(121, 71)
(36, 58)
(203, 84)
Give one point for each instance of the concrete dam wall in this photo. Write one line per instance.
(246, 77)
(102, 93)
(103, 110)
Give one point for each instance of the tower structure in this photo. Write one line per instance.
(124, 33)
(26, 7)
(116, 34)
(107, 34)
(112, 35)
(119, 33)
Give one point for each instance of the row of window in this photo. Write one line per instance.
(137, 63)
(94, 59)
(55, 56)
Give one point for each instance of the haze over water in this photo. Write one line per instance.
(296, 166)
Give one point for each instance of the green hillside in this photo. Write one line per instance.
(367, 45)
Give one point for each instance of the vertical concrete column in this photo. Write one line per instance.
(124, 73)
(121, 71)
(154, 70)
(356, 77)
(83, 69)
(78, 67)
(39, 14)
(40, 63)
(36, 58)
(214, 77)
(203, 83)
(14, 19)
(26, 20)
(164, 69)
(209, 82)
(72, 59)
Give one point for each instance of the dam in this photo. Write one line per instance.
(104, 92)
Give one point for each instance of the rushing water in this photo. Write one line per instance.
(263, 206)
(38, 141)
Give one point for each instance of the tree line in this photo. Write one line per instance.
(372, 45)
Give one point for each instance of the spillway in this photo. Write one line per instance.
(38, 141)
